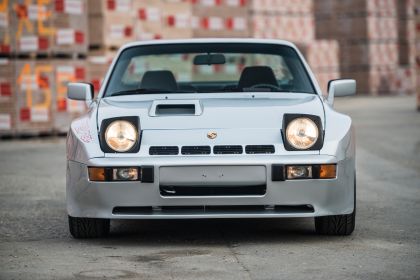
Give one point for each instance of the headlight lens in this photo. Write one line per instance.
(302, 133)
(121, 136)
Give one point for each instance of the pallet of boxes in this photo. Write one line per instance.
(417, 19)
(48, 41)
(375, 41)
(294, 21)
(111, 25)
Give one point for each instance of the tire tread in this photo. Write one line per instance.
(88, 227)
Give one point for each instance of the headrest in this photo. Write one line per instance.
(161, 79)
(254, 75)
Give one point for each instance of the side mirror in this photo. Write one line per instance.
(342, 87)
(80, 91)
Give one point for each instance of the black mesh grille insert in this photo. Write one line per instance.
(227, 149)
(212, 190)
(163, 150)
(195, 150)
(259, 149)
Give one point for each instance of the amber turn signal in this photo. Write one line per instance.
(328, 171)
(96, 173)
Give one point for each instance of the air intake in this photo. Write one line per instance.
(175, 109)
(225, 150)
(259, 149)
(195, 150)
(163, 150)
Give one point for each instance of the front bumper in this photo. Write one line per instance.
(138, 200)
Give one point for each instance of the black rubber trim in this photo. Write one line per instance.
(195, 150)
(228, 149)
(278, 172)
(163, 150)
(287, 118)
(106, 122)
(260, 149)
(147, 174)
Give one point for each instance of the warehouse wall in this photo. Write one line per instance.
(44, 44)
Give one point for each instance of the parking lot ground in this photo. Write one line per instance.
(35, 243)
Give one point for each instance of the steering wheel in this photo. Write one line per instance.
(270, 86)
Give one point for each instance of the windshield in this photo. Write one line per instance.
(208, 67)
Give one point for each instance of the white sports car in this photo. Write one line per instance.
(210, 128)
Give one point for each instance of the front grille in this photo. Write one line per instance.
(212, 190)
(259, 149)
(221, 150)
(163, 150)
(195, 150)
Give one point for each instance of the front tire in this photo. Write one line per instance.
(337, 224)
(88, 227)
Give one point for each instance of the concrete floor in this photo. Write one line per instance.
(35, 243)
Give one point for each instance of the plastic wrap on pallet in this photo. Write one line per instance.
(34, 90)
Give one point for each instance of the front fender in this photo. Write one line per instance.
(82, 139)
(339, 138)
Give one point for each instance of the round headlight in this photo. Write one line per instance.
(121, 136)
(302, 133)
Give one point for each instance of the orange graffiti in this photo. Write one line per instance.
(24, 23)
(27, 79)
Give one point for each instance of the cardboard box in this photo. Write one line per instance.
(385, 80)
(5, 27)
(34, 91)
(31, 27)
(98, 64)
(110, 31)
(7, 97)
(65, 110)
(70, 22)
(109, 7)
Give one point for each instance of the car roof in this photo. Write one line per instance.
(209, 40)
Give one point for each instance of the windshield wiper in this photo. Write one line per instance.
(147, 91)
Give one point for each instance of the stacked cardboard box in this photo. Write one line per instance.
(31, 30)
(417, 58)
(5, 24)
(64, 109)
(110, 23)
(97, 67)
(215, 18)
(287, 20)
(33, 79)
(70, 21)
(375, 41)
(323, 58)
(7, 97)
(34, 96)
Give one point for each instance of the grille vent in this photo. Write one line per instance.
(163, 150)
(228, 149)
(259, 149)
(195, 150)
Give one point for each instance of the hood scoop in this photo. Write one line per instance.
(175, 108)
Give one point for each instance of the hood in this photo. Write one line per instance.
(210, 111)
